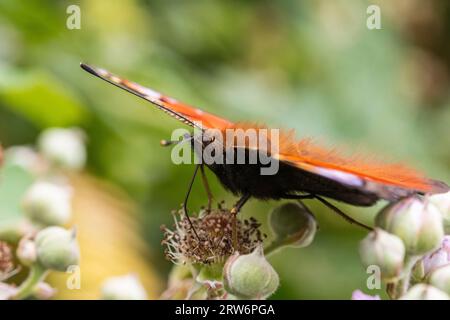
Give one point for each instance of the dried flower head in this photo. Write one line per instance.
(6, 261)
(214, 229)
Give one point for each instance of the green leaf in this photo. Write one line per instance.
(40, 97)
(14, 182)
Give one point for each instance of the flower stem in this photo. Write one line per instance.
(274, 246)
(37, 274)
(400, 287)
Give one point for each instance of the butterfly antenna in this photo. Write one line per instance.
(168, 143)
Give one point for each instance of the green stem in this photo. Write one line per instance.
(274, 246)
(400, 287)
(37, 274)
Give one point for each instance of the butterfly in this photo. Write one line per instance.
(306, 170)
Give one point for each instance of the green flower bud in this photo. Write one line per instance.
(229, 296)
(26, 251)
(440, 278)
(424, 292)
(26, 158)
(433, 260)
(385, 251)
(417, 223)
(250, 276)
(48, 203)
(63, 147)
(442, 202)
(293, 224)
(57, 248)
(127, 287)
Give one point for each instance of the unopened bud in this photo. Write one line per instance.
(126, 287)
(48, 203)
(440, 278)
(250, 276)
(63, 147)
(26, 251)
(293, 224)
(26, 158)
(57, 248)
(385, 251)
(433, 260)
(417, 223)
(424, 292)
(442, 202)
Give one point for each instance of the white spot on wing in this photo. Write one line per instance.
(342, 177)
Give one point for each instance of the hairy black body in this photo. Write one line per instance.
(286, 183)
(243, 179)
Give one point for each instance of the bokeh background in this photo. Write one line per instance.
(310, 65)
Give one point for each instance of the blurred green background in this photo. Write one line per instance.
(308, 65)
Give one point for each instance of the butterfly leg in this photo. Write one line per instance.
(191, 183)
(330, 206)
(234, 211)
(342, 214)
(206, 185)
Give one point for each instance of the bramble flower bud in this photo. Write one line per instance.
(293, 224)
(359, 295)
(442, 202)
(418, 223)
(26, 158)
(26, 251)
(250, 276)
(434, 260)
(125, 287)
(48, 203)
(440, 278)
(57, 248)
(424, 292)
(385, 251)
(63, 147)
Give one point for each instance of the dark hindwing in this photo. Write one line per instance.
(289, 181)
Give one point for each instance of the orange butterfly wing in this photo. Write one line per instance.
(358, 172)
(183, 112)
